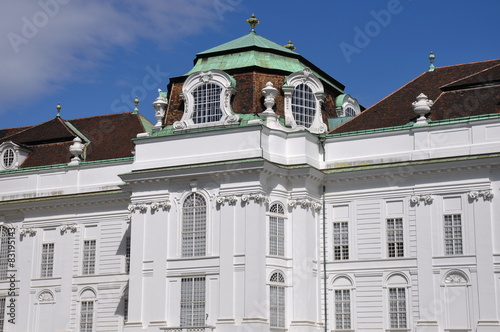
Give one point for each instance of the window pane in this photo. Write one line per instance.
(194, 214)
(207, 101)
(89, 247)
(193, 301)
(303, 105)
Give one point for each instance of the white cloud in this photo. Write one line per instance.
(45, 43)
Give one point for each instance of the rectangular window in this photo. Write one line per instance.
(277, 306)
(341, 240)
(2, 313)
(395, 243)
(47, 260)
(397, 308)
(193, 301)
(125, 309)
(276, 236)
(343, 309)
(87, 316)
(453, 234)
(127, 254)
(4, 252)
(89, 249)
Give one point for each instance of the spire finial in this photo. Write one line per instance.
(58, 107)
(136, 102)
(253, 22)
(290, 46)
(431, 60)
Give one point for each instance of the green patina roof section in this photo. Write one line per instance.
(253, 50)
(411, 125)
(250, 40)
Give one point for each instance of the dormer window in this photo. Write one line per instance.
(11, 155)
(207, 103)
(346, 106)
(303, 98)
(207, 100)
(8, 158)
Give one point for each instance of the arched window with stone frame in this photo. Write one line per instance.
(304, 95)
(343, 303)
(397, 299)
(277, 230)
(207, 100)
(277, 300)
(88, 301)
(194, 225)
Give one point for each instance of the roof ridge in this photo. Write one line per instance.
(378, 102)
(471, 75)
(103, 115)
(468, 63)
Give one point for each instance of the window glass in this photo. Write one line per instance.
(207, 103)
(8, 158)
(303, 105)
(194, 218)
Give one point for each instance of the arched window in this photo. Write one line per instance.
(87, 310)
(277, 230)
(194, 226)
(342, 303)
(207, 100)
(303, 97)
(303, 105)
(277, 300)
(397, 302)
(206, 106)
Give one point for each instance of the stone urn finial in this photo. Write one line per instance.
(270, 93)
(159, 105)
(421, 107)
(76, 149)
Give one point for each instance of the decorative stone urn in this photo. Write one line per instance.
(422, 107)
(76, 149)
(159, 105)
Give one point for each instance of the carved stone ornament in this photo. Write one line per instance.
(486, 194)
(206, 77)
(154, 206)
(305, 203)
(421, 107)
(416, 199)
(231, 200)
(31, 231)
(45, 296)
(257, 198)
(76, 149)
(270, 93)
(69, 227)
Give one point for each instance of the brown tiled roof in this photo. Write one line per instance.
(458, 91)
(110, 137)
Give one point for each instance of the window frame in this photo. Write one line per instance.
(194, 82)
(4, 251)
(91, 269)
(398, 313)
(279, 219)
(86, 314)
(277, 300)
(343, 248)
(3, 303)
(399, 281)
(192, 303)
(47, 260)
(184, 245)
(388, 237)
(308, 78)
(453, 239)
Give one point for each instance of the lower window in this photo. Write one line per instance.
(342, 309)
(193, 301)
(87, 316)
(397, 308)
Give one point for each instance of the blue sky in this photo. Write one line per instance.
(94, 56)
